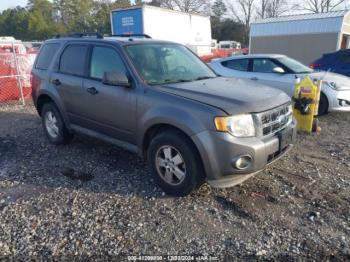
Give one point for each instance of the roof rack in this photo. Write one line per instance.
(81, 35)
(133, 35)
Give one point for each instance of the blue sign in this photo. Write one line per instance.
(127, 22)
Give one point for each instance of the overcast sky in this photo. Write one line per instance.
(4, 4)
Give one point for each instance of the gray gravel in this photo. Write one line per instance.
(297, 209)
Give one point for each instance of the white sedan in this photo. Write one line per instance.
(283, 73)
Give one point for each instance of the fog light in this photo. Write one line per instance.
(243, 162)
(344, 102)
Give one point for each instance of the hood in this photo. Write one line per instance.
(340, 80)
(234, 96)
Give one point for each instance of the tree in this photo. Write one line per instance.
(242, 11)
(262, 9)
(227, 29)
(45, 7)
(276, 8)
(271, 8)
(320, 6)
(191, 5)
(155, 3)
(196, 6)
(219, 8)
(14, 22)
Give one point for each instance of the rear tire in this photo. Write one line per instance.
(323, 105)
(175, 163)
(54, 126)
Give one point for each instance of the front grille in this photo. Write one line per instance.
(272, 121)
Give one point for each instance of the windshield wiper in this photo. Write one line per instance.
(176, 81)
(203, 78)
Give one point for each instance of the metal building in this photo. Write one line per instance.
(303, 37)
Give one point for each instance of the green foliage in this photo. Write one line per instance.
(42, 19)
(14, 22)
(227, 29)
(219, 8)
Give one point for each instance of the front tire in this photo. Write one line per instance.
(54, 126)
(323, 105)
(175, 163)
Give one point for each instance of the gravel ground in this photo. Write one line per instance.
(297, 209)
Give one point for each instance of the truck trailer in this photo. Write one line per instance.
(192, 30)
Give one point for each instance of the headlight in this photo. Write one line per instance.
(334, 86)
(239, 125)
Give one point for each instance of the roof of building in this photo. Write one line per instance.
(299, 24)
(302, 17)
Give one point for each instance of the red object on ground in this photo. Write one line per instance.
(9, 82)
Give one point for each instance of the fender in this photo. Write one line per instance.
(173, 116)
(52, 93)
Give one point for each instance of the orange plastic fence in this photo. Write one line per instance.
(9, 80)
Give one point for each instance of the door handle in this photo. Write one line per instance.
(56, 82)
(92, 90)
(254, 78)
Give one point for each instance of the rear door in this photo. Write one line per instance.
(68, 80)
(40, 72)
(110, 110)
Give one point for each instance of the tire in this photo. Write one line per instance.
(192, 168)
(323, 106)
(54, 126)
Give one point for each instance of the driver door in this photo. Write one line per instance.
(110, 110)
(262, 69)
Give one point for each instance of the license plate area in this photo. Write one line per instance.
(285, 138)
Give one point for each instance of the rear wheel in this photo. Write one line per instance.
(175, 163)
(54, 126)
(323, 105)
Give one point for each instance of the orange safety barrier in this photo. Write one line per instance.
(10, 75)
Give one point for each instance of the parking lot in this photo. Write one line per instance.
(297, 208)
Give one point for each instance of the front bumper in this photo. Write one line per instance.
(218, 150)
(336, 98)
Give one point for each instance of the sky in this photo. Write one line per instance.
(4, 4)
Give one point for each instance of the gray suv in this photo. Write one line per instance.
(160, 100)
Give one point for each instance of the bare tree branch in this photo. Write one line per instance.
(320, 6)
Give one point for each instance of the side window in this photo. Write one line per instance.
(46, 55)
(239, 64)
(73, 60)
(262, 65)
(105, 59)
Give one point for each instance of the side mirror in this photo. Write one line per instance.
(278, 70)
(115, 79)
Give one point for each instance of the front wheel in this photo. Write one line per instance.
(323, 105)
(175, 163)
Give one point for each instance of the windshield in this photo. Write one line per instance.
(167, 63)
(294, 65)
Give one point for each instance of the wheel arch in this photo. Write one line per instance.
(156, 129)
(44, 98)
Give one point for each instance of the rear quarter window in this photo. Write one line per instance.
(47, 53)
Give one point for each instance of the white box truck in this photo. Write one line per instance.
(189, 29)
